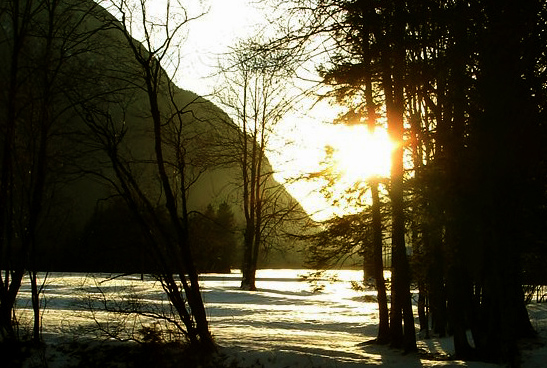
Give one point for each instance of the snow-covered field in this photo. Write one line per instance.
(288, 322)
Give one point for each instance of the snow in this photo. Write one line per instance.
(287, 323)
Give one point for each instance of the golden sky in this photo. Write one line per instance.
(298, 146)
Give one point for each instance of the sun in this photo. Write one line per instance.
(297, 154)
(359, 155)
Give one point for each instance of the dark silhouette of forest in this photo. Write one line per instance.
(112, 242)
(460, 86)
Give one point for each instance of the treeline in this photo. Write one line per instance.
(461, 88)
(112, 241)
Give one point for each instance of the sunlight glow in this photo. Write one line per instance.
(297, 147)
(360, 155)
(357, 155)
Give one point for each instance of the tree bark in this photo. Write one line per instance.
(383, 324)
(393, 82)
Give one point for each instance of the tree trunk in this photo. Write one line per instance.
(401, 298)
(248, 269)
(436, 283)
(383, 324)
(192, 291)
(505, 160)
(7, 303)
(423, 315)
(459, 300)
(35, 295)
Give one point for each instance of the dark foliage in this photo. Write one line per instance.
(112, 241)
(469, 80)
(214, 239)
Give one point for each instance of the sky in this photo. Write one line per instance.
(222, 22)
(298, 145)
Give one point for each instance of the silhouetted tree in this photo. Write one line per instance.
(40, 40)
(257, 99)
(19, 15)
(455, 78)
(167, 238)
(214, 242)
(371, 56)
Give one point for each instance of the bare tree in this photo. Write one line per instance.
(39, 39)
(19, 15)
(257, 98)
(164, 222)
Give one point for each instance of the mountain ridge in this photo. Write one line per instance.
(95, 83)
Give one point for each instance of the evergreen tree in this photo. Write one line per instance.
(462, 85)
(213, 239)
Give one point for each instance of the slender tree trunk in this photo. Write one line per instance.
(254, 223)
(198, 306)
(423, 315)
(35, 294)
(401, 299)
(377, 264)
(36, 204)
(437, 290)
(192, 290)
(247, 272)
(383, 324)
(248, 269)
(393, 82)
(396, 127)
(20, 16)
(459, 300)
(396, 315)
(7, 303)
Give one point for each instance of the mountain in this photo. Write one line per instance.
(76, 98)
